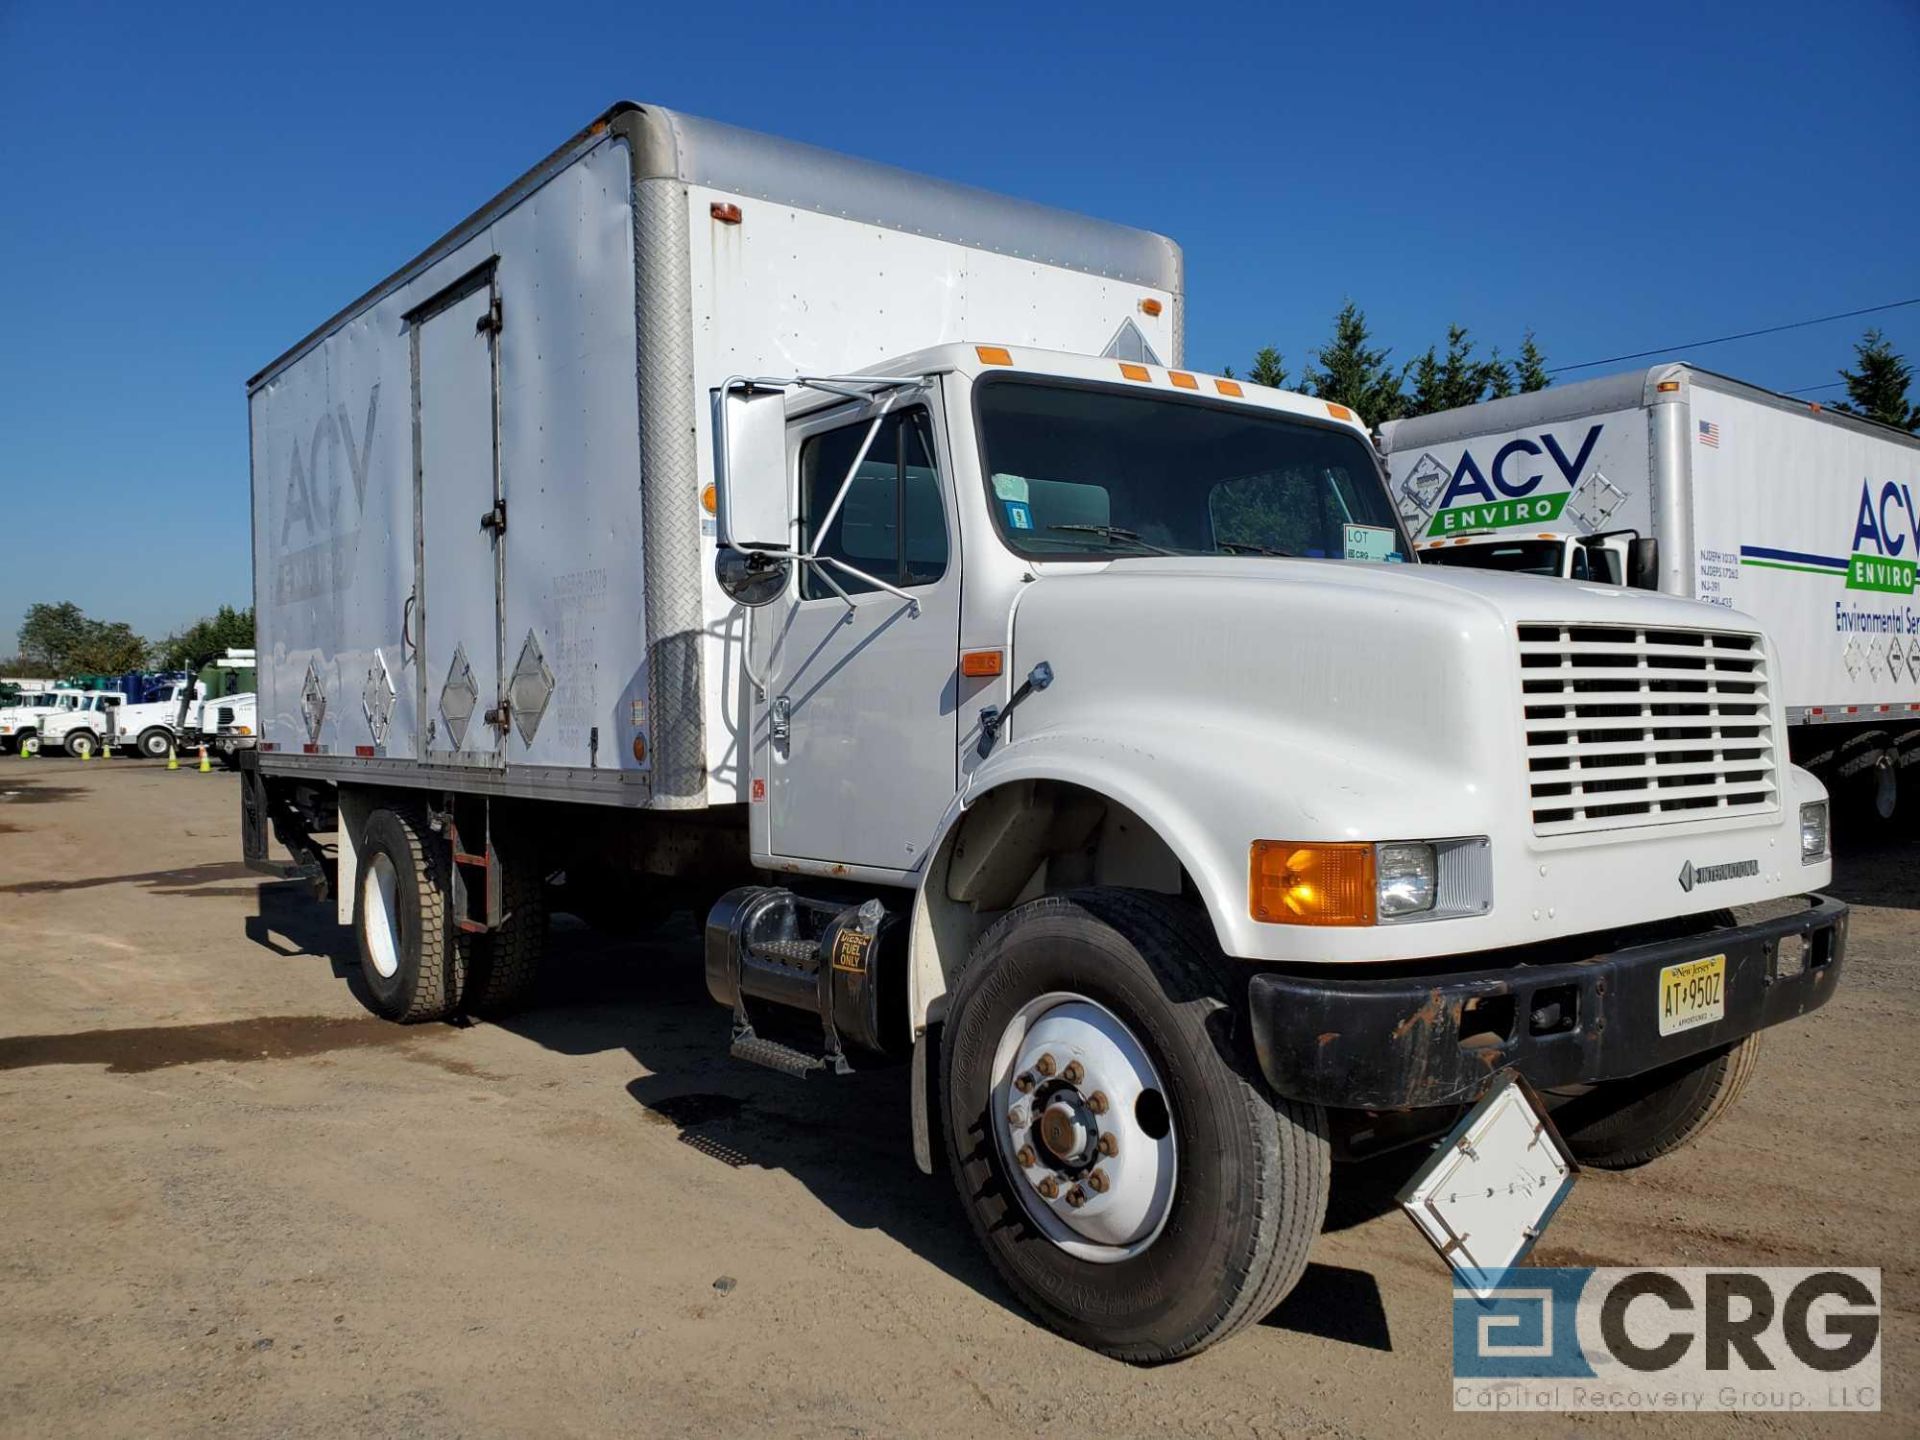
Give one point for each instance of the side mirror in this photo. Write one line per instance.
(750, 467)
(751, 577)
(1643, 563)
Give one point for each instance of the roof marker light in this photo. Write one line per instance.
(993, 354)
(1135, 372)
(1229, 387)
(1150, 306)
(1667, 387)
(1182, 380)
(1339, 412)
(725, 213)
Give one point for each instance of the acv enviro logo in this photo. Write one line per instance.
(1881, 555)
(1691, 1339)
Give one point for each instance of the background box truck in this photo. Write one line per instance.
(976, 698)
(1804, 518)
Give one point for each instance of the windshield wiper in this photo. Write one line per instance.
(1114, 532)
(1247, 547)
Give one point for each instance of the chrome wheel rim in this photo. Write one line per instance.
(1083, 1126)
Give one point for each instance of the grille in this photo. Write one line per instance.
(1629, 725)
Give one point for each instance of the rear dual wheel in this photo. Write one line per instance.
(1128, 1172)
(417, 964)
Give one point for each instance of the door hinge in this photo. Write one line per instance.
(490, 323)
(500, 715)
(495, 520)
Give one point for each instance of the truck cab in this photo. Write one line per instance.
(1605, 559)
(20, 722)
(83, 728)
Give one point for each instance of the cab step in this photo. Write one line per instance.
(841, 962)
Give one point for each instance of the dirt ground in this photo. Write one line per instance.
(233, 1202)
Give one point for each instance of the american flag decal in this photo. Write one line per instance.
(1709, 434)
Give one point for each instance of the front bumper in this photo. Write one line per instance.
(1352, 1041)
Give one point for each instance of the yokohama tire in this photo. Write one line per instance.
(1250, 1187)
(1630, 1122)
(411, 959)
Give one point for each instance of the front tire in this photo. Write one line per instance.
(1628, 1123)
(81, 745)
(154, 742)
(1129, 989)
(29, 745)
(412, 960)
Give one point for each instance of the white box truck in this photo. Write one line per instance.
(846, 554)
(1803, 517)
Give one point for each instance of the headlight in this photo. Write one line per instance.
(1405, 879)
(1813, 832)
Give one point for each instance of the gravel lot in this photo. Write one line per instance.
(232, 1201)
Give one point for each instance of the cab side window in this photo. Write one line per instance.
(892, 524)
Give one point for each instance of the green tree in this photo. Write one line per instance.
(51, 634)
(1878, 389)
(1269, 369)
(1348, 371)
(225, 629)
(1530, 370)
(109, 647)
(1438, 383)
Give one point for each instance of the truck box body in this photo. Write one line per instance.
(547, 367)
(1801, 517)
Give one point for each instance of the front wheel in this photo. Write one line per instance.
(29, 744)
(155, 742)
(1131, 1177)
(81, 745)
(1625, 1123)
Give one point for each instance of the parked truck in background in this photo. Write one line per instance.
(20, 721)
(1803, 517)
(1063, 724)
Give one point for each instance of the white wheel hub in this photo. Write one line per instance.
(380, 909)
(1083, 1127)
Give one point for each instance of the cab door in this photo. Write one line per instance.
(854, 743)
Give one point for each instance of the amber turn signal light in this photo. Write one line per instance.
(1300, 883)
(982, 664)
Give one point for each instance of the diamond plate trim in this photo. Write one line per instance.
(459, 697)
(529, 689)
(376, 698)
(313, 701)
(670, 485)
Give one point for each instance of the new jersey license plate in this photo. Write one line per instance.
(1693, 993)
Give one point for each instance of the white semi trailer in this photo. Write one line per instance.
(1065, 723)
(1803, 517)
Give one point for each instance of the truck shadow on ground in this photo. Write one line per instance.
(847, 1139)
(1877, 868)
(165, 882)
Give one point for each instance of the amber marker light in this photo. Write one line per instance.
(1339, 412)
(1182, 381)
(710, 499)
(993, 354)
(1150, 306)
(1296, 883)
(1229, 387)
(982, 664)
(725, 213)
(1129, 371)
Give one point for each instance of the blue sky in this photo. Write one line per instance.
(184, 190)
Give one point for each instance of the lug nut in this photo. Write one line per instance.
(1097, 1182)
(1044, 1065)
(1109, 1145)
(1073, 1074)
(1097, 1102)
(1023, 1082)
(1076, 1197)
(1025, 1159)
(1049, 1188)
(1017, 1117)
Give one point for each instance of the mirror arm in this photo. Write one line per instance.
(833, 510)
(819, 562)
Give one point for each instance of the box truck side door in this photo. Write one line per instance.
(855, 742)
(457, 472)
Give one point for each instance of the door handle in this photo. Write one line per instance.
(780, 725)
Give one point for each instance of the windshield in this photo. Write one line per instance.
(1522, 557)
(1076, 472)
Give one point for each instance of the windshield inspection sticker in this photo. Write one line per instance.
(1018, 515)
(1371, 542)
